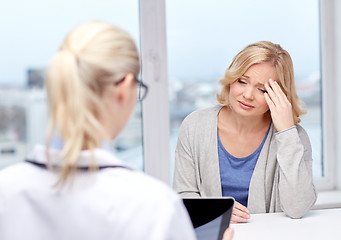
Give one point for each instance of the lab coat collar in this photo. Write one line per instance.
(102, 157)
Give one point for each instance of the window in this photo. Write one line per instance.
(204, 36)
(31, 34)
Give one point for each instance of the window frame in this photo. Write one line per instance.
(327, 37)
(155, 108)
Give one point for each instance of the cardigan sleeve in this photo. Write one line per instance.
(185, 181)
(297, 193)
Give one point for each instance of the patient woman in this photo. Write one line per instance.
(251, 146)
(75, 188)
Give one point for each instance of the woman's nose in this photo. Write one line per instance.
(248, 93)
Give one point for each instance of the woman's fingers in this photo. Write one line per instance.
(240, 207)
(269, 102)
(272, 93)
(277, 91)
(240, 213)
(279, 105)
(237, 219)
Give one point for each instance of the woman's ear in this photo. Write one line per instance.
(123, 92)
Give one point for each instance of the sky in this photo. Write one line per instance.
(202, 35)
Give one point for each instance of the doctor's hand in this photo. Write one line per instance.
(240, 214)
(228, 234)
(279, 105)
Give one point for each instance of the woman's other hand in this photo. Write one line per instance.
(240, 213)
(280, 107)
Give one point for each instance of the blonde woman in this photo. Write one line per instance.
(76, 188)
(251, 146)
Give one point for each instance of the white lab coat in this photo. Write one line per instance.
(112, 203)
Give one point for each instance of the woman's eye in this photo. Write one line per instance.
(241, 81)
(262, 90)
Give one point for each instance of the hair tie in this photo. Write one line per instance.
(73, 53)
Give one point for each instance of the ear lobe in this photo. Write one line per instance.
(120, 97)
(121, 94)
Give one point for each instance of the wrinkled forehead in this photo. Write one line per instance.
(260, 73)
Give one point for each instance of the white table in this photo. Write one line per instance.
(316, 224)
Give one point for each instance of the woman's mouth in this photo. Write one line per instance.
(245, 106)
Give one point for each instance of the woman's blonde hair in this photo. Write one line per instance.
(262, 52)
(92, 56)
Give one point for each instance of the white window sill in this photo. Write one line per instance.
(328, 199)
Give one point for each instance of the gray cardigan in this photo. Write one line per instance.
(282, 179)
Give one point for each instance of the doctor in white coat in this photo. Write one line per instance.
(75, 187)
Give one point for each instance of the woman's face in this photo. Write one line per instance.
(247, 93)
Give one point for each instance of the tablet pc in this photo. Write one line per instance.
(210, 216)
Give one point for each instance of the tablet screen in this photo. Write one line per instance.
(210, 216)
